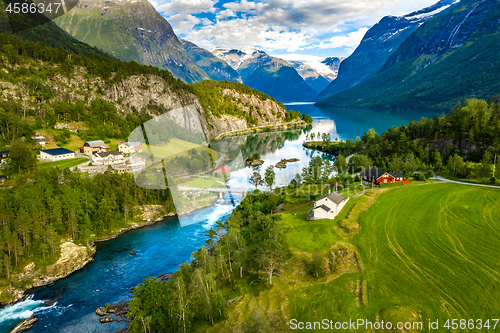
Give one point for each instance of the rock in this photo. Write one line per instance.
(132, 253)
(50, 302)
(106, 320)
(24, 325)
(165, 277)
(101, 311)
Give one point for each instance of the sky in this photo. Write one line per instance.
(291, 29)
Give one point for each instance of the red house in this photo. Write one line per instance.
(223, 169)
(377, 176)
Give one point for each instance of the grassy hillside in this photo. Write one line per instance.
(383, 258)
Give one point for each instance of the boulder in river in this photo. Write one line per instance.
(24, 325)
(106, 320)
(132, 253)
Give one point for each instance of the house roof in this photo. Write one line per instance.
(325, 208)
(57, 151)
(374, 172)
(107, 153)
(3, 177)
(223, 169)
(334, 196)
(5, 152)
(95, 143)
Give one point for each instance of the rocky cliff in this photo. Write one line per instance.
(131, 30)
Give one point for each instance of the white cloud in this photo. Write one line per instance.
(350, 40)
(289, 25)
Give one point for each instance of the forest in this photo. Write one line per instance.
(463, 142)
(48, 205)
(247, 249)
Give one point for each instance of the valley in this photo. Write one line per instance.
(250, 166)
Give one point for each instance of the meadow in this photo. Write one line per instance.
(420, 252)
(64, 164)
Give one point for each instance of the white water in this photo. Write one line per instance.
(23, 310)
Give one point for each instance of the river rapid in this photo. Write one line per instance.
(161, 247)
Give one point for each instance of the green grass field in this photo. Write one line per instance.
(64, 164)
(426, 252)
(175, 147)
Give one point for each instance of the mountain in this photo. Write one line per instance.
(215, 67)
(131, 31)
(310, 76)
(333, 63)
(447, 60)
(273, 76)
(378, 44)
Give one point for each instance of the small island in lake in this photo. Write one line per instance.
(254, 160)
(282, 164)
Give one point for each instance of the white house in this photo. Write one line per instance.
(39, 139)
(328, 206)
(136, 163)
(108, 158)
(56, 154)
(130, 147)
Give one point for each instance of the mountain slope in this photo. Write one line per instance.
(334, 64)
(448, 59)
(273, 76)
(215, 67)
(310, 76)
(378, 44)
(131, 30)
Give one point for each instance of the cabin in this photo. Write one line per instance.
(130, 147)
(3, 179)
(4, 155)
(376, 176)
(56, 154)
(108, 158)
(91, 147)
(328, 206)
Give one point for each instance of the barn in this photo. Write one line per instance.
(56, 154)
(376, 176)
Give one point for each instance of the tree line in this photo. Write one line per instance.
(249, 248)
(51, 205)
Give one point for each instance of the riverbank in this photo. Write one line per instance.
(259, 129)
(73, 258)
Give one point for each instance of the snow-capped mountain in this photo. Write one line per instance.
(378, 44)
(311, 75)
(273, 76)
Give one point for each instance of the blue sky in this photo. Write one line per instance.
(291, 28)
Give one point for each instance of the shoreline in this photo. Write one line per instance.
(259, 129)
(22, 294)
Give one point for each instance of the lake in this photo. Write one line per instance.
(160, 248)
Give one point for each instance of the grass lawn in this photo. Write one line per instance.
(75, 142)
(202, 182)
(485, 181)
(426, 252)
(64, 164)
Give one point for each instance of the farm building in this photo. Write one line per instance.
(56, 154)
(3, 179)
(222, 171)
(376, 176)
(130, 147)
(108, 158)
(4, 155)
(91, 147)
(328, 206)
